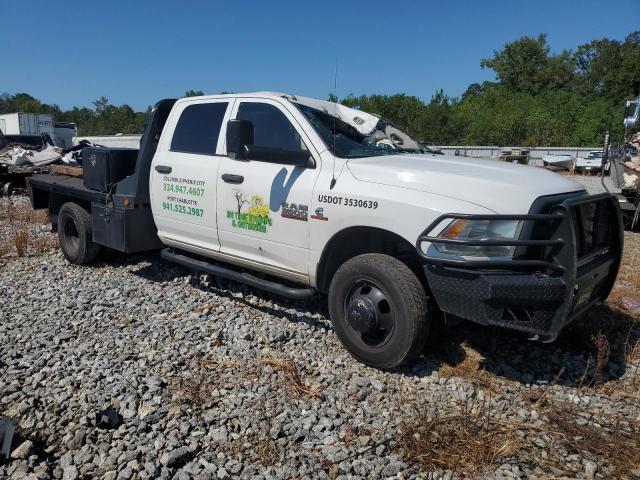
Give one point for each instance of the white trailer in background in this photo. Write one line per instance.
(21, 123)
(115, 141)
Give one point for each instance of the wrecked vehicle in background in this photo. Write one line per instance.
(22, 155)
(515, 156)
(624, 163)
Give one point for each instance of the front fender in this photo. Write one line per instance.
(353, 203)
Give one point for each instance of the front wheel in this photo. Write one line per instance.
(379, 310)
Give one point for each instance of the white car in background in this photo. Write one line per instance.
(592, 162)
(559, 160)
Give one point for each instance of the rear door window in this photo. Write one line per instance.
(198, 128)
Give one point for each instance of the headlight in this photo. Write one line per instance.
(476, 230)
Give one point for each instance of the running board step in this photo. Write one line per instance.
(241, 277)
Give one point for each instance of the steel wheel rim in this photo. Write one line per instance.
(71, 234)
(369, 314)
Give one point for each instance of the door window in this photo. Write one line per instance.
(271, 128)
(198, 128)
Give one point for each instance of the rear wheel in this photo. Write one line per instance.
(379, 310)
(75, 234)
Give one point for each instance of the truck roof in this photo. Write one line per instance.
(260, 94)
(364, 122)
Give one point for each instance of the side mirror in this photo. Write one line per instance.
(239, 136)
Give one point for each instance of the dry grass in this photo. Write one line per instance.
(291, 375)
(632, 348)
(204, 373)
(42, 245)
(476, 440)
(21, 241)
(260, 445)
(632, 359)
(201, 377)
(467, 443)
(594, 372)
(628, 281)
(21, 224)
(614, 444)
(21, 212)
(470, 367)
(267, 451)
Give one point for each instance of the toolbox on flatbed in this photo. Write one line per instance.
(104, 167)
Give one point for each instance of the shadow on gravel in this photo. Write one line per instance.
(593, 350)
(304, 311)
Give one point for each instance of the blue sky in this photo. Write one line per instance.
(136, 52)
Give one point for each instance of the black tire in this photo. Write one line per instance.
(75, 234)
(379, 286)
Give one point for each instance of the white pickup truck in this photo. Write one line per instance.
(319, 198)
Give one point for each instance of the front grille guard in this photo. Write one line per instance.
(514, 264)
(552, 257)
(559, 257)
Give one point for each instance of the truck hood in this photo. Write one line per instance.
(499, 186)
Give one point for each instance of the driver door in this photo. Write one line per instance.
(264, 206)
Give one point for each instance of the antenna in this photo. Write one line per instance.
(335, 112)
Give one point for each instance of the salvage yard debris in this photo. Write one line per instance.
(38, 152)
(14, 155)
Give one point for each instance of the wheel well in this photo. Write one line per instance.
(55, 204)
(354, 241)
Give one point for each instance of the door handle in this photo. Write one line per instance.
(229, 178)
(163, 169)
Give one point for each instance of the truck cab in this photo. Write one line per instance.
(254, 208)
(321, 198)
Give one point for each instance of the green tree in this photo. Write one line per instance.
(525, 65)
(609, 68)
(101, 105)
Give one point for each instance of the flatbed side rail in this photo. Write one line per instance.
(66, 186)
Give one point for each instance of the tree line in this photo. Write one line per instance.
(538, 99)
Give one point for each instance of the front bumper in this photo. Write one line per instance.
(566, 259)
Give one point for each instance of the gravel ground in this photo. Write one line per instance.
(135, 368)
(593, 183)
